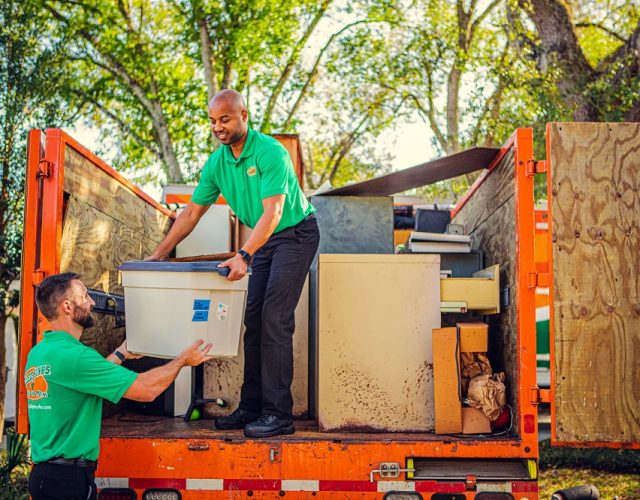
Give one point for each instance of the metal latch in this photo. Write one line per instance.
(44, 168)
(537, 279)
(388, 470)
(539, 396)
(535, 167)
(37, 276)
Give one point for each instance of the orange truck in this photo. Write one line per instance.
(80, 214)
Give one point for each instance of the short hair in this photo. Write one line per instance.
(51, 292)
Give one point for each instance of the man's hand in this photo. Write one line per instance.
(237, 267)
(193, 355)
(125, 352)
(154, 258)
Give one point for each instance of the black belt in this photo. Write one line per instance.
(73, 462)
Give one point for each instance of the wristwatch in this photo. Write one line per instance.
(246, 256)
(119, 355)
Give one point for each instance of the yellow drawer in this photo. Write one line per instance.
(479, 293)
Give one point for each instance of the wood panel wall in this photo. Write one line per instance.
(104, 224)
(489, 217)
(595, 199)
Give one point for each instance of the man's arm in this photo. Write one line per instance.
(149, 385)
(265, 227)
(183, 225)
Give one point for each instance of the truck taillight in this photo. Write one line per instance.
(161, 494)
(117, 494)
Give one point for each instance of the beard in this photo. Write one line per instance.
(85, 320)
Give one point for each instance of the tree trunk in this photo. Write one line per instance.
(560, 49)
(210, 76)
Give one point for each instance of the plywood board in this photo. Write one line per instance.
(94, 244)
(375, 366)
(92, 185)
(490, 218)
(223, 377)
(595, 172)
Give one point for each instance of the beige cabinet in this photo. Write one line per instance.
(375, 316)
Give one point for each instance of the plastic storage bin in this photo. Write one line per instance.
(169, 305)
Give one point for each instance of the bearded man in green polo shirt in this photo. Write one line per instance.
(254, 173)
(66, 382)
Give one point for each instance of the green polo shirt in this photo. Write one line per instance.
(66, 382)
(263, 169)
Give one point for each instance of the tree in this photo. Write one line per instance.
(591, 53)
(144, 70)
(29, 84)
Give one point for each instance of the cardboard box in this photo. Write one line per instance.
(475, 422)
(448, 408)
(474, 337)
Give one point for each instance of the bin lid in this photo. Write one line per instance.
(175, 267)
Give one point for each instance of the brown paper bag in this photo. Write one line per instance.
(472, 365)
(487, 393)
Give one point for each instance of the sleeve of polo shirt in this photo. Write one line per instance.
(273, 172)
(206, 192)
(95, 375)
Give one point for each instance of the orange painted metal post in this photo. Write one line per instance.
(28, 315)
(526, 277)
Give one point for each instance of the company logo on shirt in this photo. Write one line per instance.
(36, 382)
(251, 171)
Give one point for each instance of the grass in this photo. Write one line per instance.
(616, 473)
(611, 485)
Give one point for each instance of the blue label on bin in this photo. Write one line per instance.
(201, 304)
(200, 316)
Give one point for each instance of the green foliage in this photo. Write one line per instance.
(29, 76)
(15, 456)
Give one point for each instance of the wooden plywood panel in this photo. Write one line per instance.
(596, 263)
(492, 194)
(95, 244)
(223, 377)
(490, 217)
(375, 368)
(95, 187)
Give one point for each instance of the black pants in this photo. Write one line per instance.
(279, 270)
(61, 482)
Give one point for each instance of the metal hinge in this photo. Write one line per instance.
(37, 276)
(388, 470)
(44, 168)
(535, 167)
(537, 280)
(540, 395)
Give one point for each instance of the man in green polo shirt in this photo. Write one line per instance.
(66, 382)
(255, 175)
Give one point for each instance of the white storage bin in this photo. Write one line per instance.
(169, 305)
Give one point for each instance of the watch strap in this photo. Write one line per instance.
(119, 355)
(247, 257)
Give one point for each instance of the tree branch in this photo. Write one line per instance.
(293, 59)
(476, 23)
(602, 27)
(314, 71)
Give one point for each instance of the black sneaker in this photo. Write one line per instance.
(269, 425)
(236, 420)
